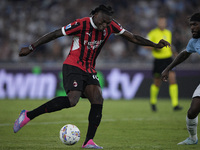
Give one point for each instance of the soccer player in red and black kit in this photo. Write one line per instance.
(79, 74)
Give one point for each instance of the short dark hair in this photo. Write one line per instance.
(195, 17)
(106, 9)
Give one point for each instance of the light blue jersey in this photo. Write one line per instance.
(193, 46)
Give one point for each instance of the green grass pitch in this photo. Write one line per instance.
(126, 125)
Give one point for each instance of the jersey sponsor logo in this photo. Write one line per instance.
(68, 26)
(93, 45)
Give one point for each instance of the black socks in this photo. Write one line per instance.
(94, 121)
(61, 102)
(55, 104)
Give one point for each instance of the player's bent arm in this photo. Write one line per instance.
(182, 56)
(44, 39)
(179, 59)
(48, 37)
(142, 41)
(137, 39)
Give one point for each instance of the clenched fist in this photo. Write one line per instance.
(162, 43)
(25, 51)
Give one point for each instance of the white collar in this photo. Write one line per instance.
(91, 21)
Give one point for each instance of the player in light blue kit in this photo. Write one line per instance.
(192, 47)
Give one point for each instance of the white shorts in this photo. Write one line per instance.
(196, 92)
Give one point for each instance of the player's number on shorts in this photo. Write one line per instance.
(95, 77)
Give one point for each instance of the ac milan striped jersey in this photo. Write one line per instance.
(87, 42)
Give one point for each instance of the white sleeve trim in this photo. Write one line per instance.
(121, 32)
(63, 31)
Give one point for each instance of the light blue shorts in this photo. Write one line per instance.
(196, 92)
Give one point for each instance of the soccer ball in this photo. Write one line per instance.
(69, 134)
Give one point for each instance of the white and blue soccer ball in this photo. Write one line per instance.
(69, 134)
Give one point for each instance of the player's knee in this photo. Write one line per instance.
(192, 113)
(73, 102)
(73, 97)
(194, 108)
(99, 99)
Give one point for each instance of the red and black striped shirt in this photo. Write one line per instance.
(87, 42)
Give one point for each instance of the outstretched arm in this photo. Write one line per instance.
(142, 41)
(44, 39)
(179, 59)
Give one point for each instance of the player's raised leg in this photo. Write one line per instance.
(53, 105)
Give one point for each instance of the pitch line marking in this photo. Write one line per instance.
(82, 121)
